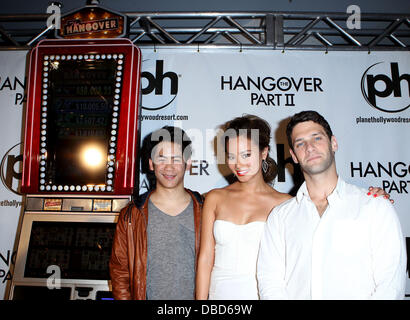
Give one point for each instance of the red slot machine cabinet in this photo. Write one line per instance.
(82, 102)
(79, 164)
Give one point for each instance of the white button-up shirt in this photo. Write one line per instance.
(355, 250)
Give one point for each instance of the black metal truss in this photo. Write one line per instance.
(265, 30)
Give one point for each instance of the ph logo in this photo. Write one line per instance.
(386, 92)
(11, 169)
(164, 87)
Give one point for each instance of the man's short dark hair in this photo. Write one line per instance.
(303, 117)
(170, 134)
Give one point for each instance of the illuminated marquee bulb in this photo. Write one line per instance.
(92, 157)
(55, 65)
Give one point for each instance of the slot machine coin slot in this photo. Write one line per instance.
(83, 291)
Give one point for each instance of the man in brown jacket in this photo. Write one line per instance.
(156, 243)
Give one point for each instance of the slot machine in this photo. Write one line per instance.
(80, 150)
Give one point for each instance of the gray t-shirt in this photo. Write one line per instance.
(171, 254)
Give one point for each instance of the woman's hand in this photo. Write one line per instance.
(379, 192)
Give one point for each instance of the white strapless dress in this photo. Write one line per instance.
(233, 276)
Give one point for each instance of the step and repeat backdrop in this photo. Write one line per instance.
(364, 96)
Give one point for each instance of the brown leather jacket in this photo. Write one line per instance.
(128, 262)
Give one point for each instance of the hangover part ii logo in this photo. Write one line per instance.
(395, 175)
(7, 259)
(14, 86)
(275, 91)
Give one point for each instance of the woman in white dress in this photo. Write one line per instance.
(233, 217)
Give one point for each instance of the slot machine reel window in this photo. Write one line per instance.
(79, 121)
(81, 250)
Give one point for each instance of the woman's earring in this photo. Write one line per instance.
(265, 166)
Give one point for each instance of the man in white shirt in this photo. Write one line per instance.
(331, 241)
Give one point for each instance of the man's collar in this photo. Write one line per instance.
(302, 192)
(337, 192)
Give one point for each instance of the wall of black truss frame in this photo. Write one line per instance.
(262, 30)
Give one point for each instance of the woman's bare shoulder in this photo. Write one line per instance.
(279, 197)
(216, 193)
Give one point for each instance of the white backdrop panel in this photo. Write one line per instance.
(216, 85)
(12, 84)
